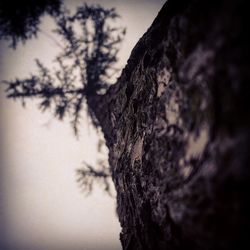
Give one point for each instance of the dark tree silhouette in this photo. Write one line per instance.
(19, 21)
(84, 67)
(177, 125)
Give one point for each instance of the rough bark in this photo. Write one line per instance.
(177, 127)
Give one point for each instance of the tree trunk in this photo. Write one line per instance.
(177, 127)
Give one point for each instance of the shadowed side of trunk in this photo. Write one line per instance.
(177, 127)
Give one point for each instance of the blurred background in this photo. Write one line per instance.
(41, 204)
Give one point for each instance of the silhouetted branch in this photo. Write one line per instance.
(84, 66)
(89, 47)
(19, 20)
(88, 175)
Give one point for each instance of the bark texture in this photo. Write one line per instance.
(177, 127)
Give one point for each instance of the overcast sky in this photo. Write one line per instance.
(41, 205)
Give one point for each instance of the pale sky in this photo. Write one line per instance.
(41, 206)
